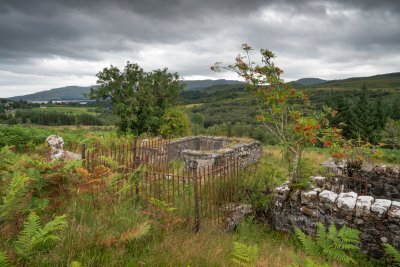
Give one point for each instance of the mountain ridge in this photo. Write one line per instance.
(76, 92)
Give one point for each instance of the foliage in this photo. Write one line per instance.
(285, 112)
(243, 254)
(35, 237)
(56, 118)
(174, 123)
(332, 244)
(393, 252)
(138, 98)
(391, 134)
(13, 200)
(4, 260)
(161, 214)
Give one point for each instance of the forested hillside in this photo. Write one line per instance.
(231, 109)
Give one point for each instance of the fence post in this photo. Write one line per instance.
(83, 154)
(196, 198)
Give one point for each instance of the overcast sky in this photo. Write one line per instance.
(53, 43)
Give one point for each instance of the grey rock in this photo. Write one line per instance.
(327, 196)
(346, 201)
(56, 145)
(308, 197)
(381, 206)
(363, 205)
(394, 211)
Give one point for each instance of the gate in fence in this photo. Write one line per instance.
(200, 193)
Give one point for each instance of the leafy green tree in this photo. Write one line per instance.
(286, 113)
(138, 98)
(174, 123)
(368, 119)
(395, 108)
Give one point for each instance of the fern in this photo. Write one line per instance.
(135, 233)
(75, 264)
(3, 260)
(310, 246)
(311, 263)
(15, 193)
(334, 245)
(243, 254)
(35, 237)
(393, 252)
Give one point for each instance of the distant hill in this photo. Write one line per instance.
(387, 82)
(200, 84)
(308, 81)
(76, 92)
(63, 93)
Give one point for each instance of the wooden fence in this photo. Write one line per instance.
(201, 193)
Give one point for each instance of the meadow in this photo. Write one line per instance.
(67, 109)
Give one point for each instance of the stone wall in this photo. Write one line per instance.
(205, 151)
(382, 181)
(377, 219)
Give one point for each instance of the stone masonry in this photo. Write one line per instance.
(206, 151)
(377, 219)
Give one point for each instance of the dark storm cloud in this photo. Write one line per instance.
(70, 40)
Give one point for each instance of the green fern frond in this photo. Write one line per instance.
(243, 254)
(15, 192)
(349, 235)
(332, 244)
(338, 255)
(308, 262)
(393, 252)
(310, 247)
(75, 264)
(34, 237)
(4, 260)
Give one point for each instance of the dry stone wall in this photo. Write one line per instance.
(378, 219)
(206, 151)
(382, 181)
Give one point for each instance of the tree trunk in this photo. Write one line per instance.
(295, 166)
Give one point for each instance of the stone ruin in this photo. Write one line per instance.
(56, 149)
(206, 151)
(381, 181)
(376, 214)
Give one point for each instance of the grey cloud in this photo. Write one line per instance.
(189, 35)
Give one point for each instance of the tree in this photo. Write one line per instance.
(174, 123)
(137, 97)
(285, 112)
(368, 119)
(391, 133)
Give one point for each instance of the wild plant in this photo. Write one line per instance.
(335, 245)
(393, 253)
(243, 254)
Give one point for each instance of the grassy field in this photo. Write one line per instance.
(104, 227)
(67, 109)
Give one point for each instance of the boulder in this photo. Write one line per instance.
(239, 211)
(56, 145)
